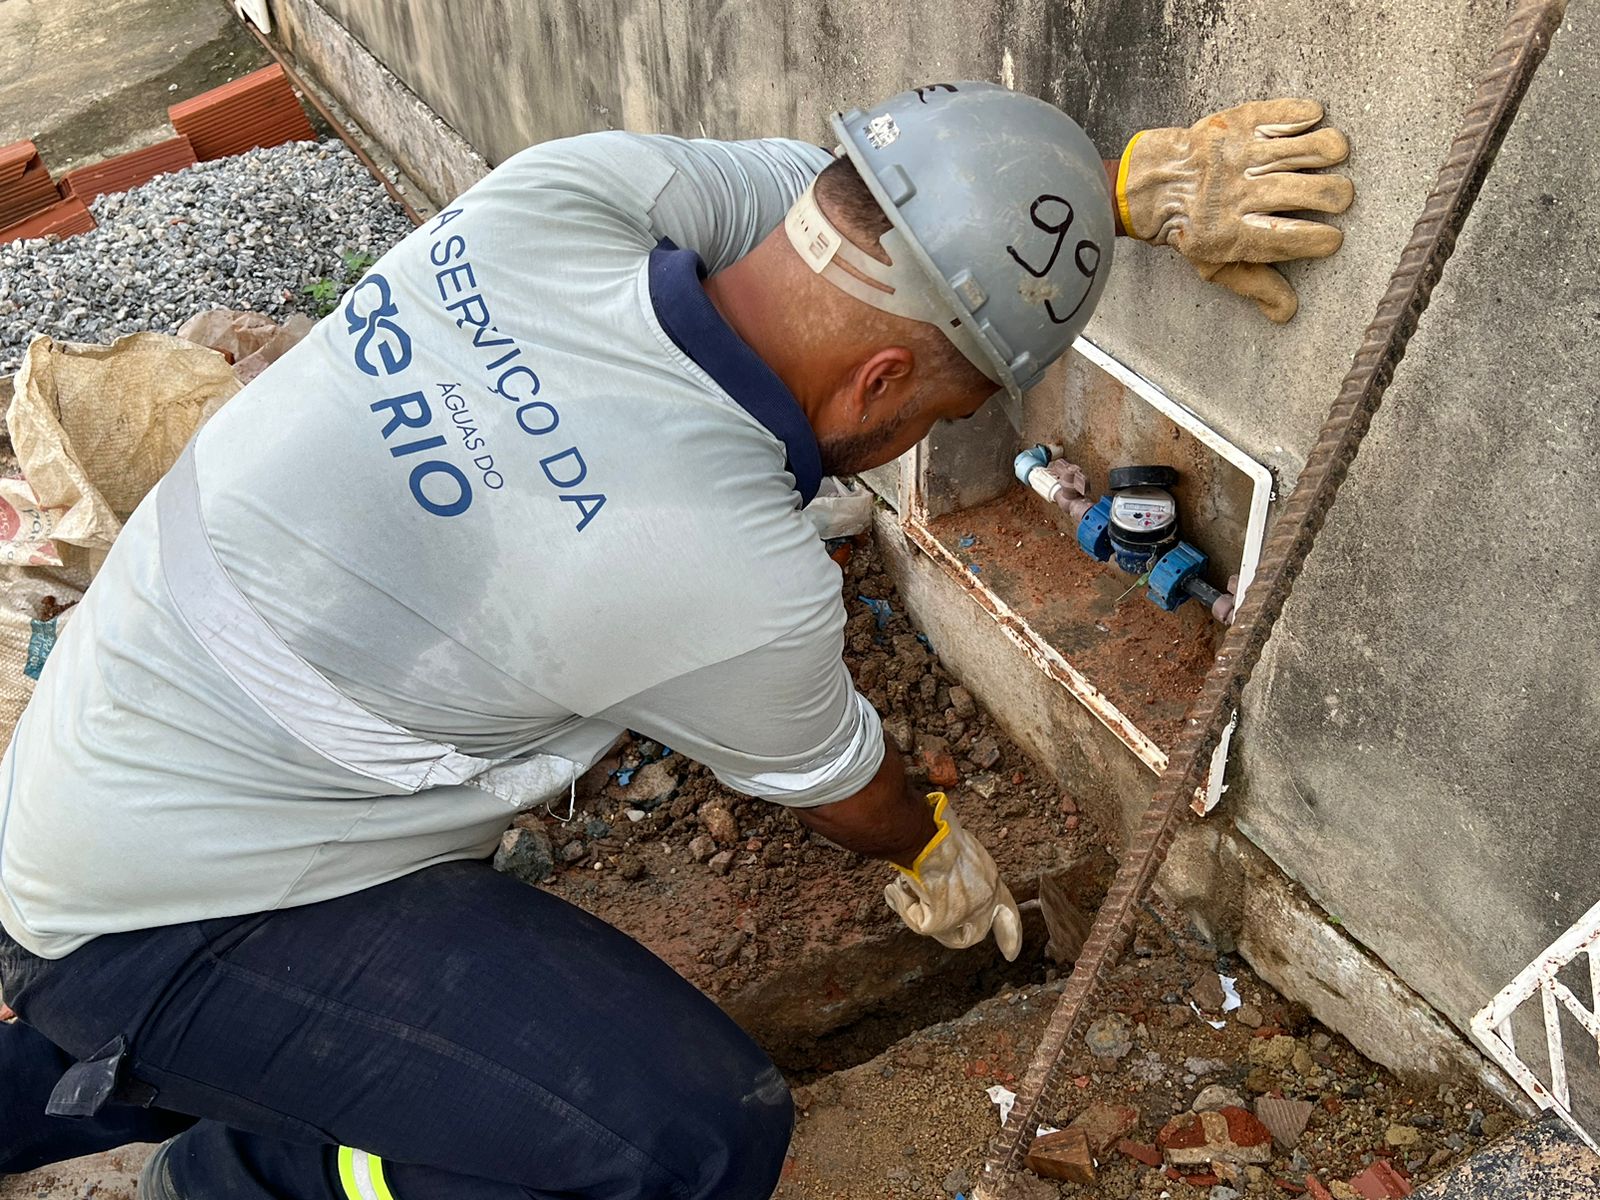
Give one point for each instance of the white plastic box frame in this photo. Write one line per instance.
(1492, 1026)
(914, 521)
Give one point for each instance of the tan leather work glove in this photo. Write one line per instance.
(953, 893)
(1211, 192)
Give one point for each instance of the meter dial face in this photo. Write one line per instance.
(1143, 508)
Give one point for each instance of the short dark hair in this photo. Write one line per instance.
(848, 202)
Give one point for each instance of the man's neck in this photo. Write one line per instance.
(761, 313)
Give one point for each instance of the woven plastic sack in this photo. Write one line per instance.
(94, 429)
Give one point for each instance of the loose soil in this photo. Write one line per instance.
(1149, 662)
(915, 1121)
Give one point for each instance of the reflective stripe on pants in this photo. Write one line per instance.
(362, 1175)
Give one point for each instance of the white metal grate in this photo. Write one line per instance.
(1492, 1026)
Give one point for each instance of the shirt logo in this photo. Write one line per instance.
(369, 313)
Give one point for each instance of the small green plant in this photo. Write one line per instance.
(324, 293)
(356, 263)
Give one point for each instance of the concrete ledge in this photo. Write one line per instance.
(438, 158)
(1087, 760)
(1294, 946)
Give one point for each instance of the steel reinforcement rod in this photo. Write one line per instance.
(1498, 95)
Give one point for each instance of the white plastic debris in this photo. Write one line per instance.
(1230, 989)
(842, 508)
(1005, 1098)
(1206, 1019)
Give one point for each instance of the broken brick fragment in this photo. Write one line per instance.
(1229, 1133)
(1286, 1120)
(939, 767)
(1064, 1155)
(1106, 1124)
(1315, 1190)
(1381, 1181)
(1143, 1152)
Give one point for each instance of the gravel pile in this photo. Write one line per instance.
(249, 232)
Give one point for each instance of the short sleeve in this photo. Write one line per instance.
(782, 721)
(719, 199)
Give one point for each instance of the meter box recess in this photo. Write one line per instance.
(1113, 555)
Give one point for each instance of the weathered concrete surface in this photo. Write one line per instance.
(86, 79)
(1543, 1161)
(1421, 738)
(1296, 948)
(423, 146)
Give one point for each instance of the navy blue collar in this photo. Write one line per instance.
(697, 328)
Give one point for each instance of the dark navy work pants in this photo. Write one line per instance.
(452, 1035)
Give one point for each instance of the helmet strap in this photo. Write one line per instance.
(898, 286)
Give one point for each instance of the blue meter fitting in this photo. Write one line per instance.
(1094, 535)
(1179, 565)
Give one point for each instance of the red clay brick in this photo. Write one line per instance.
(14, 160)
(1106, 1124)
(1140, 1152)
(1063, 1155)
(65, 218)
(25, 185)
(1381, 1181)
(1315, 1190)
(127, 171)
(258, 109)
(1230, 1133)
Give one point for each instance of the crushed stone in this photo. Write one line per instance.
(253, 231)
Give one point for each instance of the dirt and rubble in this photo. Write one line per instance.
(915, 1121)
(893, 1042)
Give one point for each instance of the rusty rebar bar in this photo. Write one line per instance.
(1498, 95)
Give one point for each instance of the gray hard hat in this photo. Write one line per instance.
(1002, 222)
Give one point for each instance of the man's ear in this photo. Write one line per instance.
(882, 381)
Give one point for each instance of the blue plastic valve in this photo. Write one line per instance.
(1177, 566)
(1092, 530)
(1037, 456)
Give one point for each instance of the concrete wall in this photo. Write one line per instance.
(1417, 749)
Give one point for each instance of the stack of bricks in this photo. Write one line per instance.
(30, 205)
(258, 109)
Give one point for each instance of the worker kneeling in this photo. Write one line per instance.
(538, 480)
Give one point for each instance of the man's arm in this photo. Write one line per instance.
(1113, 166)
(886, 819)
(947, 885)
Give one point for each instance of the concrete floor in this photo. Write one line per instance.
(86, 79)
(110, 1176)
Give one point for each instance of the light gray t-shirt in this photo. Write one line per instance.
(510, 497)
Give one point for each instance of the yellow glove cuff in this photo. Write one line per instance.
(940, 802)
(1122, 185)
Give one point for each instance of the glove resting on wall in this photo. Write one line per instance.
(1213, 193)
